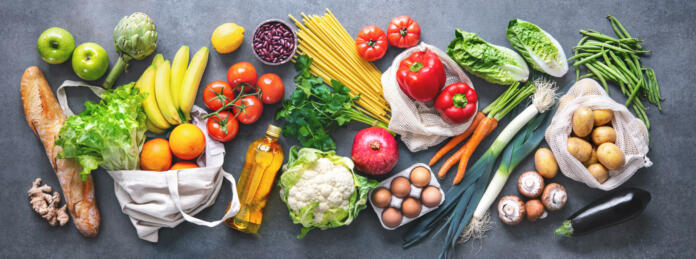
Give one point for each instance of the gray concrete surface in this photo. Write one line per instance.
(666, 229)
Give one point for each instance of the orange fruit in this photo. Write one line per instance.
(187, 141)
(156, 155)
(183, 165)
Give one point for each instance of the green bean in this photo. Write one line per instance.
(588, 75)
(612, 72)
(599, 76)
(588, 59)
(580, 55)
(613, 19)
(623, 67)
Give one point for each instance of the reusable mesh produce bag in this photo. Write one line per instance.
(419, 124)
(153, 200)
(631, 135)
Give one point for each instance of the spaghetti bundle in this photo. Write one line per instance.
(324, 39)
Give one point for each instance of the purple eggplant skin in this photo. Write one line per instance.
(615, 208)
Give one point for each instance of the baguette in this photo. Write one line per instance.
(45, 117)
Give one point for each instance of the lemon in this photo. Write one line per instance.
(227, 37)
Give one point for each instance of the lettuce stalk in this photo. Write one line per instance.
(108, 134)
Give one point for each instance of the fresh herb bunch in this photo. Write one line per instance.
(316, 109)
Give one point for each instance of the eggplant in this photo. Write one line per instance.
(607, 211)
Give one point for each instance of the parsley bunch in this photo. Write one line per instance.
(315, 109)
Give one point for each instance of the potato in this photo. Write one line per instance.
(579, 148)
(545, 163)
(610, 156)
(602, 116)
(599, 172)
(593, 158)
(583, 120)
(603, 134)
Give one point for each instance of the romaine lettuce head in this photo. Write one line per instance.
(317, 188)
(538, 47)
(110, 133)
(495, 64)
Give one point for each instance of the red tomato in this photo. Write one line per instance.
(217, 94)
(252, 109)
(272, 89)
(371, 43)
(222, 127)
(242, 76)
(403, 32)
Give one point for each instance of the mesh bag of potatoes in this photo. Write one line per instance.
(596, 140)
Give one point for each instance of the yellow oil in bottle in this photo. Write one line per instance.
(263, 160)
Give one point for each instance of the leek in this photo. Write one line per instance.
(462, 199)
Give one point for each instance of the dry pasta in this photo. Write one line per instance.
(324, 39)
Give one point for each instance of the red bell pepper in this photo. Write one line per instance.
(457, 103)
(421, 75)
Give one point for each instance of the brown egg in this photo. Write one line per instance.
(381, 197)
(400, 187)
(431, 196)
(391, 217)
(411, 207)
(420, 176)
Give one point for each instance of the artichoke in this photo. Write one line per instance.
(135, 38)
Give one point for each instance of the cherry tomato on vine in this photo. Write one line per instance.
(252, 109)
(272, 89)
(371, 43)
(242, 76)
(222, 127)
(216, 94)
(403, 32)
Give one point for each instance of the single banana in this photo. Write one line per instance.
(191, 81)
(179, 65)
(163, 95)
(154, 129)
(146, 84)
(158, 59)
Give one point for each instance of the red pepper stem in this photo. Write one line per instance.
(459, 100)
(416, 67)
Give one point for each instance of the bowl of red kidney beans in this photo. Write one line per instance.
(274, 42)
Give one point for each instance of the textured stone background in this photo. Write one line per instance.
(665, 229)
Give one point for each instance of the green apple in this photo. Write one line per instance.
(90, 61)
(55, 45)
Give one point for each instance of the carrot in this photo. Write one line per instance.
(457, 155)
(484, 128)
(457, 139)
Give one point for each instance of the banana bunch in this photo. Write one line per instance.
(171, 88)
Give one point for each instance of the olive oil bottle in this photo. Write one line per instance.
(263, 160)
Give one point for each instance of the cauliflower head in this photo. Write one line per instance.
(321, 190)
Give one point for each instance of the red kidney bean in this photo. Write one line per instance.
(274, 42)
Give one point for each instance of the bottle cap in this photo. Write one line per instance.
(273, 131)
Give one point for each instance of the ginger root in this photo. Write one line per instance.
(46, 204)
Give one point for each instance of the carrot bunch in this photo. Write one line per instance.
(484, 123)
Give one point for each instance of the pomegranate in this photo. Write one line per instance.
(375, 151)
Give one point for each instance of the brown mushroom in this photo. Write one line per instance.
(535, 210)
(511, 210)
(530, 184)
(554, 197)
